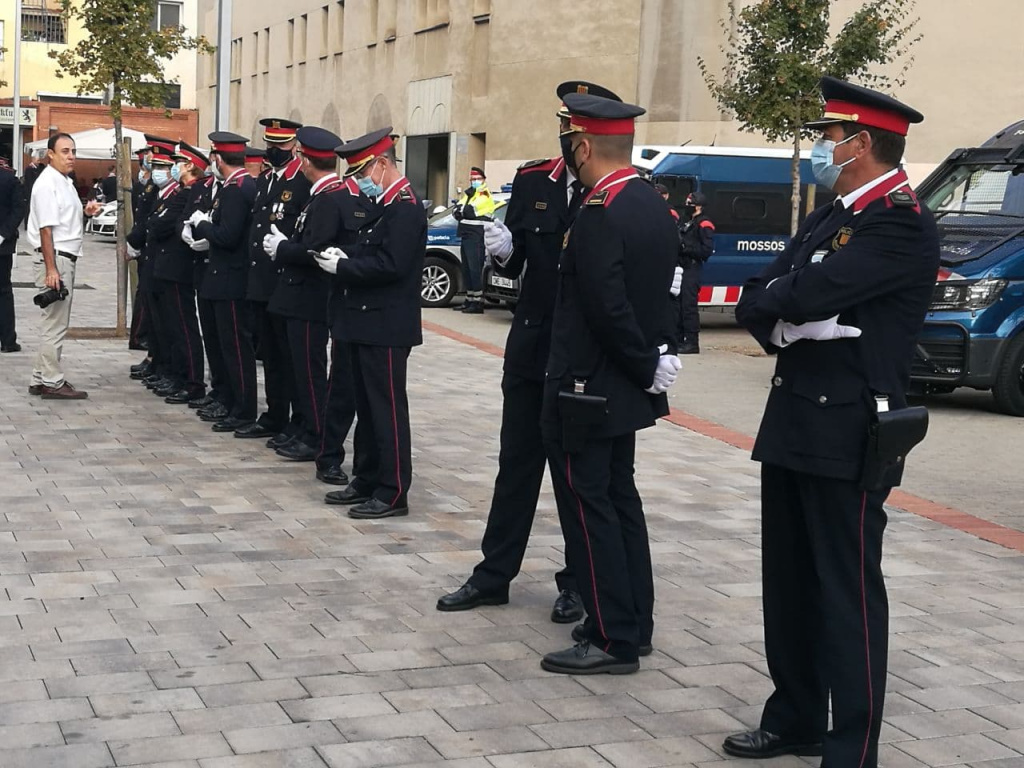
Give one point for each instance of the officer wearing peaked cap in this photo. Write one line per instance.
(607, 375)
(545, 198)
(381, 276)
(226, 228)
(300, 297)
(281, 193)
(255, 161)
(841, 309)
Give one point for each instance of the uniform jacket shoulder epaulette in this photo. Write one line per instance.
(544, 164)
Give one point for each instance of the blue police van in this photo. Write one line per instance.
(974, 332)
(749, 199)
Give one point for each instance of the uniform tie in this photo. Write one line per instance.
(576, 200)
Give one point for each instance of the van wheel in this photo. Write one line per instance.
(439, 283)
(1008, 390)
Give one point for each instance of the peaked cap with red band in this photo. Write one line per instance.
(225, 141)
(599, 116)
(159, 142)
(162, 156)
(849, 103)
(277, 130)
(189, 154)
(361, 151)
(581, 86)
(317, 142)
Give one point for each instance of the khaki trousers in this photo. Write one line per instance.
(54, 326)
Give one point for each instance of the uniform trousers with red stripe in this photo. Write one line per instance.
(139, 332)
(159, 338)
(307, 344)
(340, 408)
(826, 614)
(233, 331)
(179, 305)
(382, 465)
(219, 387)
(278, 381)
(605, 532)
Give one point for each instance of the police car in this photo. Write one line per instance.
(442, 267)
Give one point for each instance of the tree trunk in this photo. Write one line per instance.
(124, 189)
(794, 222)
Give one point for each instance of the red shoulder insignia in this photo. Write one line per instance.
(707, 224)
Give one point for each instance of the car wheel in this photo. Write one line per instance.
(1008, 389)
(439, 283)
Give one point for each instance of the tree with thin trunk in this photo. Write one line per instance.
(124, 52)
(778, 50)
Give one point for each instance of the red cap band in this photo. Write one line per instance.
(873, 116)
(598, 127)
(371, 152)
(163, 145)
(238, 147)
(323, 154)
(196, 160)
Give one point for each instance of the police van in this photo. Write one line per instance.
(749, 199)
(974, 332)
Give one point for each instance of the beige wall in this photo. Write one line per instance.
(493, 66)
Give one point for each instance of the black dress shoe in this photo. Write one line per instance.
(15, 347)
(181, 397)
(350, 495)
(170, 389)
(568, 607)
(254, 430)
(585, 659)
(298, 451)
(333, 475)
(142, 367)
(138, 375)
(201, 402)
(280, 440)
(473, 308)
(156, 382)
(579, 635)
(375, 509)
(761, 744)
(230, 424)
(215, 412)
(467, 597)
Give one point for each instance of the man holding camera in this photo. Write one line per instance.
(55, 232)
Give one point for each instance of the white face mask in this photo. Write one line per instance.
(823, 165)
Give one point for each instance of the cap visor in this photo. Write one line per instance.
(822, 122)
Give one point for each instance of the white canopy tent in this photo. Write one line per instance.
(94, 144)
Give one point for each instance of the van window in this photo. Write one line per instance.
(748, 209)
(679, 187)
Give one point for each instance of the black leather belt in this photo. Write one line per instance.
(70, 256)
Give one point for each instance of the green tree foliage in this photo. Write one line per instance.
(124, 53)
(778, 50)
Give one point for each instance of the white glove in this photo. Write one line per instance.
(328, 260)
(272, 240)
(198, 216)
(497, 241)
(2, 238)
(186, 234)
(133, 253)
(665, 375)
(200, 246)
(677, 282)
(785, 334)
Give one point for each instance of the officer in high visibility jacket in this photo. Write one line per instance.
(474, 209)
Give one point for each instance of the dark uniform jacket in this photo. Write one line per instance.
(226, 276)
(538, 216)
(199, 198)
(696, 241)
(12, 210)
(303, 288)
(383, 273)
(147, 202)
(613, 305)
(109, 186)
(874, 265)
(356, 211)
(172, 258)
(278, 203)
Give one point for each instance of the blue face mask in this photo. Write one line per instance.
(146, 163)
(369, 187)
(176, 172)
(161, 177)
(476, 184)
(142, 176)
(823, 165)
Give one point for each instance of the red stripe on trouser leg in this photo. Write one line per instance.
(184, 330)
(867, 638)
(590, 552)
(238, 349)
(309, 378)
(394, 424)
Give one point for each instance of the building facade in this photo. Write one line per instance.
(471, 82)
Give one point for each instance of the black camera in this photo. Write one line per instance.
(47, 297)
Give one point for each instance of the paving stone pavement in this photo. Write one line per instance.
(182, 599)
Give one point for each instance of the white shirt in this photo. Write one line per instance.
(55, 204)
(857, 194)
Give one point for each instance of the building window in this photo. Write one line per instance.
(167, 15)
(43, 22)
(172, 96)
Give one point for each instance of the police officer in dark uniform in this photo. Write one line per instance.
(12, 211)
(841, 307)
(606, 379)
(301, 294)
(354, 209)
(696, 244)
(281, 193)
(545, 198)
(138, 336)
(226, 229)
(195, 165)
(381, 275)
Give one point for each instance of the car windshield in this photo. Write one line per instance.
(978, 207)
